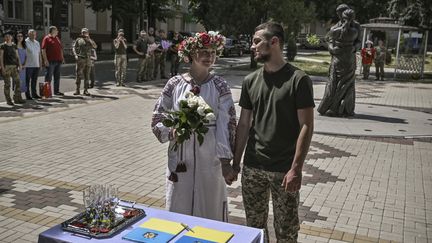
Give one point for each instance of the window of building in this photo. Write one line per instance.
(15, 9)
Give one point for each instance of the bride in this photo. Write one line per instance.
(200, 188)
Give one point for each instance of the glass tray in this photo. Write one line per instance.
(73, 225)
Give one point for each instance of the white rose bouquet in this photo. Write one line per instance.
(193, 115)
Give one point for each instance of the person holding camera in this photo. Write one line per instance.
(120, 59)
(82, 49)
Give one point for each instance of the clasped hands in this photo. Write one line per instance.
(229, 172)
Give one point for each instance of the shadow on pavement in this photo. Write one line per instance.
(379, 118)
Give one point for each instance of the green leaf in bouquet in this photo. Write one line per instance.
(208, 110)
(200, 138)
(183, 104)
(203, 129)
(168, 122)
(183, 117)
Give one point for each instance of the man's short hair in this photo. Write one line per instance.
(272, 29)
(51, 29)
(8, 32)
(143, 31)
(161, 31)
(30, 31)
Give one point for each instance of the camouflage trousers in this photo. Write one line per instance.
(159, 64)
(142, 72)
(257, 185)
(83, 66)
(11, 72)
(120, 62)
(379, 70)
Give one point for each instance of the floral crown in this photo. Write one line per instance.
(201, 40)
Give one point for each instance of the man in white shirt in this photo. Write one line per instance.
(33, 64)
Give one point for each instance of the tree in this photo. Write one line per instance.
(241, 17)
(127, 12)
(364, 10)
(415, 12)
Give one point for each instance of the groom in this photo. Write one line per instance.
(276, 122)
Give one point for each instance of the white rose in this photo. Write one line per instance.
(189, 95)
(192, 101)
(210, 116)
(201, 110)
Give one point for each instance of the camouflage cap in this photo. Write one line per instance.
(84, 30)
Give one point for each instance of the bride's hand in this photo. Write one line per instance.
(228, 172)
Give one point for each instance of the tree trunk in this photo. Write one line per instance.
(56, 18)
(150, 15)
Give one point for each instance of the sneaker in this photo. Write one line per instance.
(122, 85)
(76, 93)
(9, 102)
(58, 93)
(86, 93)
(36, 97)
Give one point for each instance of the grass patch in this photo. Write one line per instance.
(311, 68)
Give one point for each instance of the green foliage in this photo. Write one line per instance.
(313, 40)
(416, 13)
(187, 122)
(364, 10)
(125, 10)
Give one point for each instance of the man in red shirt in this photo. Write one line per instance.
(52, 53)
(368, 55)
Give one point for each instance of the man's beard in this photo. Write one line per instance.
(263, 58)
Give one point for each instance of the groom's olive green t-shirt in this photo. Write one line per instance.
(274, 99)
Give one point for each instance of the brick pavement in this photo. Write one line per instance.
(355, 188)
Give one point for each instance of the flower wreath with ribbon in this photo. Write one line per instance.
(201, 40)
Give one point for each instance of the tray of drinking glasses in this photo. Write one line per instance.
(103, 222)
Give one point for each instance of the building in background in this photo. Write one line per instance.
(72, 15)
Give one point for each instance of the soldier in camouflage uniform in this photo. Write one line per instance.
(380, 58)
(276, 122)
(82, 49)
(9, 66)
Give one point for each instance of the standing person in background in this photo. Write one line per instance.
(368, 55)
(165, 44)
(157, 54)
(150, 62)
(52, 53)
(9, 66)
(22, 52)
(120, 59)
(82, 52)
(173, 49)
(93, 58)
(379, 60)
(33, 64)
(140, 48)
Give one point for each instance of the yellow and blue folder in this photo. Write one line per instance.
(205, 235)
(155, 230)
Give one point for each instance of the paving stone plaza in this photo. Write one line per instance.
(366, 178)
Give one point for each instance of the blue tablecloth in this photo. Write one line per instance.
(242, 234)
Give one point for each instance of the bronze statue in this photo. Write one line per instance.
(343, 42)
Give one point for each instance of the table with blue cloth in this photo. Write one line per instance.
(242, 234)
